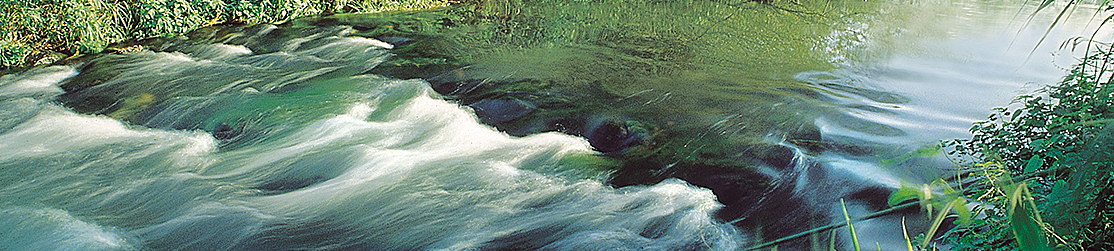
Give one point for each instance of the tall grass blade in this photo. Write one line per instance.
(832, 241)
(1067, 9)
(905, 232)
(1092, 40)
(936, 222)
(854, 237)
(1044, 4)
(1025, 221)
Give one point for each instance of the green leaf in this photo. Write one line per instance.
(1034, 163)
(1037, 143)
(962, 211)
(1025, 222)
(903, 194)
(1060, 190)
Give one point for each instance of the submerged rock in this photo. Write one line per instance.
(612, 136)
(131, 106)
(500, 110)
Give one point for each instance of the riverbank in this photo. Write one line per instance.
(38, 32)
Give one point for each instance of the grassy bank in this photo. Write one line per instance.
(42, 31)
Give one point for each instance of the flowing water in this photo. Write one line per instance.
(567, 126)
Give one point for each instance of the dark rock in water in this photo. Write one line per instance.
(612, 136)
(741, 188)
(92, 104)
(303, 172)
(222, 131)
(524, 127)
(608, 137)
(738, 188)
(806, 132)
(501, 110)
(471, 84)
(462, 88)
(281, 186)
(524, 106)
(530, 239)
(778, 156)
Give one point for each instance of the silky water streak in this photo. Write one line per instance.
(376, 163)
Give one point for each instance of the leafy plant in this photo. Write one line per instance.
(938, 194)
(1059, 143)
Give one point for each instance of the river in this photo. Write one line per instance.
(558, 125)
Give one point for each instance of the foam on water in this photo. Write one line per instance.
(37, 82)
(58, 131)
(427, 175)
(396, 168)
(218, 51)
(23, 228)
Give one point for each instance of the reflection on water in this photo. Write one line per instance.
(512, 125)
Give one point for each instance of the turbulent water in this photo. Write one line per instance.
(304, 138)
(357, 162)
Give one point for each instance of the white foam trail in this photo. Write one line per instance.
(425, 174)
(16, 111)
(219, 51)
(53, 229)
(440, 180)
(341, 48)
(399, 169)
(37, 82)
(865, 170)
(230, 224)
(55, 131)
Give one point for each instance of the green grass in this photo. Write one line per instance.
(850, 227)
(42, 31)
(905, 233)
